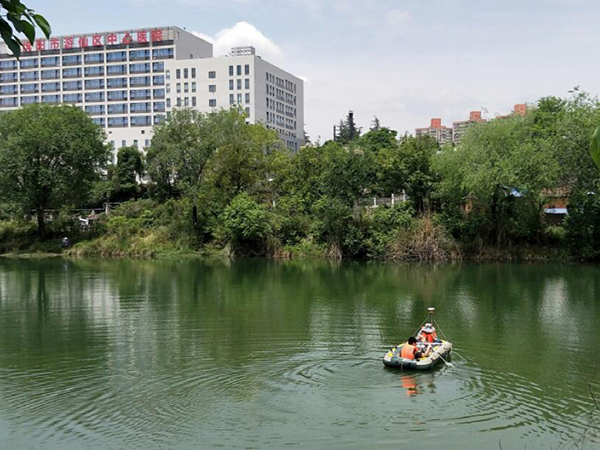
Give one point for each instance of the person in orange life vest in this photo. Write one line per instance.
(410, 350)
(427, 333)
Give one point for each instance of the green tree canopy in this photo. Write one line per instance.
(49, 157)
(15, 19)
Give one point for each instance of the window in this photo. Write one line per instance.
(247, 98)
(147, 143)
(94, 97)
(231, 99)
(185, 73)
(239, 84)
(94, 71)
(186, 87)
(120, 69)
(94, 109)
(239, 99)
(158, 93)
(168, 103)
(7, 65)
(4, 90)
(158, 80)
(71, 60)
(230, 71)
(139, 68)
(162, 53)
(137, 55)
(116, 57)
(29, 63)
(212, 74)
(239, 70)
(72, 98)
(159, 106)
(212, 102)
(178, 74)
(98, 121)
(29, 100)
(119, 108)
(168, 74)
(13, 76)
(212, 88)
(117, 82)
(94, 84)
(179, 88)
(168, 88)
(117, 122)
(186, 101)
(117, 95)
(139, 94)
(123, 143)
(50, 74)
(158, 66)
(140, 121)
(247, 69)
(139, 81)
(193, 101)
(247, 110)
(231, 85)
(29, 88)
(135, 143)
(50, 62)
(178, 101)
(193, 72)
(193, 86)
(50, 87)
(247, 83)
(94, 58)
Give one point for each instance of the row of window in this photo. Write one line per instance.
(34, 88)
(237, 99)
(281, 121)
(90, 58)
(238, 70)
(280, 82)
(125, 108)
(135, 143)
(281, 108)
(239, 84)
(135, 121)
(55, 74)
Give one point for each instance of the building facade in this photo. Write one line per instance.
(436, 130)
(460, 128)
(128, 81)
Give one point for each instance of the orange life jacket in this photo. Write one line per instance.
(408, 351)
(429, 337)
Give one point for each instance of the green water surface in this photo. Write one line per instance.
(256, 354)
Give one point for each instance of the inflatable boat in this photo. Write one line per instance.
(441, 351)
(432, 350)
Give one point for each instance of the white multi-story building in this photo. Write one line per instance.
(128, 81)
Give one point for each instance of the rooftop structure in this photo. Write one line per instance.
(436, 130)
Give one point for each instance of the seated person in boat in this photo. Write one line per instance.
(427, 333)
(410, 350)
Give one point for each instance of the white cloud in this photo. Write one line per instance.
(243, 34)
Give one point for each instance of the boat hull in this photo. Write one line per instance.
(442, 350)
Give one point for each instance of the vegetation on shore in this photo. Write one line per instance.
(214, 184)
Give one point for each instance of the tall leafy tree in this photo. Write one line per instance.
(49, 157)
(347, 130)
(125, 174)
(16, 18)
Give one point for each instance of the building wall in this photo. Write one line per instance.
(128, 119)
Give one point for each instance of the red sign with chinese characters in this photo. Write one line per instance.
(96, 40)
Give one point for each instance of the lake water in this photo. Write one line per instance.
(256, 354)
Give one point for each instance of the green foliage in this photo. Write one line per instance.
(124, 176)
(246, 225)
(583, 225)
(595, 147)
(347, 130)
(17, 18)
(49, 158)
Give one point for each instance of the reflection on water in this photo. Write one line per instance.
(255, 354)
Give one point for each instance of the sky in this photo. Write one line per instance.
(404, 61)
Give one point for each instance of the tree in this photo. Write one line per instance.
(124, 180)
(49, 157)
(375, 126)
(15, 18)
(347, 130)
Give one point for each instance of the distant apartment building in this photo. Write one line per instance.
(436, 130)
(445, 135)
(460, 128)
(127, 81)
